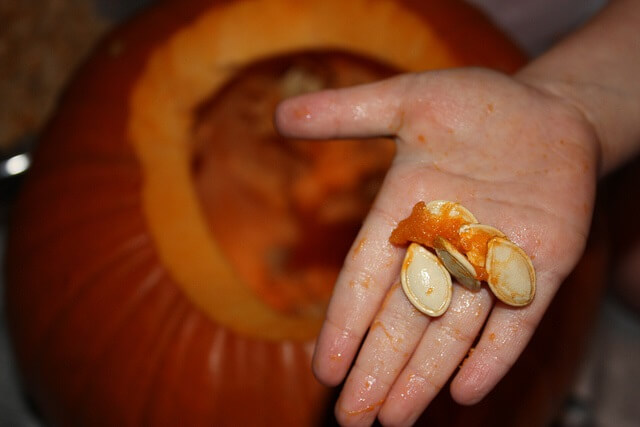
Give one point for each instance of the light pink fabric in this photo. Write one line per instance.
(536, 24)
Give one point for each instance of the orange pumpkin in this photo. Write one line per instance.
(171, 256)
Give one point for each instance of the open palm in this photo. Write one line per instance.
(520, 159)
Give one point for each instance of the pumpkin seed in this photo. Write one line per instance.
(511, 275)
(456, 263)
(438, 207)
(425, 281)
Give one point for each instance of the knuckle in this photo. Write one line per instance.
(371, 370)
(345, 332)
(387, 217)
(456, 333)
(426, 375)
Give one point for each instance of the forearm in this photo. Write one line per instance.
(597, 69)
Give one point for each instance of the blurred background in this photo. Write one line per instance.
(43, 41)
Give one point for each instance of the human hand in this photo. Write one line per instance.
(519, 158)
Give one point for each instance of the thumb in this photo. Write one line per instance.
(370, 110)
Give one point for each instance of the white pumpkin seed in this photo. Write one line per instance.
(456, 263)
(471, 229)
(425, 281)
(511, 275)
(437, 207)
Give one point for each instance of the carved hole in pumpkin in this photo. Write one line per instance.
(285, 211)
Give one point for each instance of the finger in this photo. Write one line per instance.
(505, 336)
(371, 266)
(391, 339)
(362, 111)
(438, 355)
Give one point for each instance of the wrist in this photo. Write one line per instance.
(595, 70)
(564, 93)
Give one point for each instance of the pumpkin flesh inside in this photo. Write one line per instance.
(285, 212)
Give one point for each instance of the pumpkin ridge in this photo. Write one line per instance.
(154, 381)
(120, 323)
(136, 370)
(182, 344)
(78, 288)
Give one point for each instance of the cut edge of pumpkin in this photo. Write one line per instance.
(189, 68)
